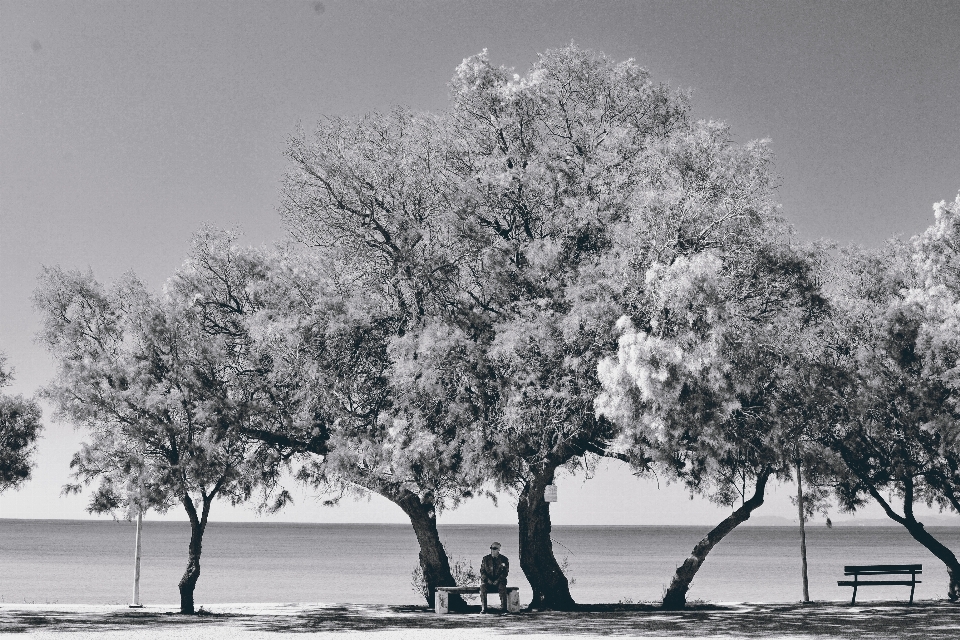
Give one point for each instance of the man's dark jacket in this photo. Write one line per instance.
(494, 570)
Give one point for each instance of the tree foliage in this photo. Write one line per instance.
(481, 218)
(159, 399)
(531, 215)
(891, 379)
(20, 426)
(717, 304)
(382, 399)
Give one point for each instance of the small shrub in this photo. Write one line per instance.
(565, 567)
(464, 575)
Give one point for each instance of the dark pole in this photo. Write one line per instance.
(803, 537)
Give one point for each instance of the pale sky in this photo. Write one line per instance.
(126, 125)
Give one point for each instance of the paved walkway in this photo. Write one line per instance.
(926, 620)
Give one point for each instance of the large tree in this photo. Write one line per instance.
(547, 166)
(716, 300)
(380, 404)
(484, 218)
(889, 383)
(158, 398)
(20, 425)
(704, 386)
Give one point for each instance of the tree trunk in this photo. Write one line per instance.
(550, 587)
(676, 595)
(803, 537)
(921, 535)
(189, 580)
(943, 553)
(433, 557)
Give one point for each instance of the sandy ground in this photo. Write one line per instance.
(927, 620)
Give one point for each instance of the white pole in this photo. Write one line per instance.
(136, 571)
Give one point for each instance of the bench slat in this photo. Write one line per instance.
(882, 568)
(860, 583)
(882, 573)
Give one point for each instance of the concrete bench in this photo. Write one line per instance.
(443, 597)
(881, 570)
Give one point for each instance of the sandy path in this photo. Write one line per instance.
(925, 620)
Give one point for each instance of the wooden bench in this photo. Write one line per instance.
(881, 570)
(443, 597)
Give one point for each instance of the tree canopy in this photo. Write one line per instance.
(701, 378)
(479, 219)
(530, 216)
(382, 401)
(890, 376)
(159, 399)
(20, 426)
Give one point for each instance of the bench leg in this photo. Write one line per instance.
(442, 602)
(854, 599)
(513, 601)
(912, 587)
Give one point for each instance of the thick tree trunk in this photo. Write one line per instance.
(550, 587)
(433, 557)
(676, 595)
(189, 580)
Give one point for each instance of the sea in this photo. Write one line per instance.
(92, 561)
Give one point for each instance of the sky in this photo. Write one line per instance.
(125, 126)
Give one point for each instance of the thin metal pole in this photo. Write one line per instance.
(136, 571)
(803, 538)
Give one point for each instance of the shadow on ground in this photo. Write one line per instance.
(926, 620)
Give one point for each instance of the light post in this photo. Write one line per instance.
(136, 563)
(803, 537)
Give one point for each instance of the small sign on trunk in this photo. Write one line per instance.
(550, 493)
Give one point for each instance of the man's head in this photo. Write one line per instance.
(495, 549)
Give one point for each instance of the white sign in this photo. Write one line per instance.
(550, 493)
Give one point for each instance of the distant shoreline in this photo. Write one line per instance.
(756, 521)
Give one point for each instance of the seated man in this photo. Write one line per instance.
(493, 575)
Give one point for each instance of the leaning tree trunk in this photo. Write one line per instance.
(433, 557)
(550, 587)
(938, 549)
(920, 534)
(189, 580)
(676, 595)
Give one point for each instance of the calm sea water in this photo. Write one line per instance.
(91, 562)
